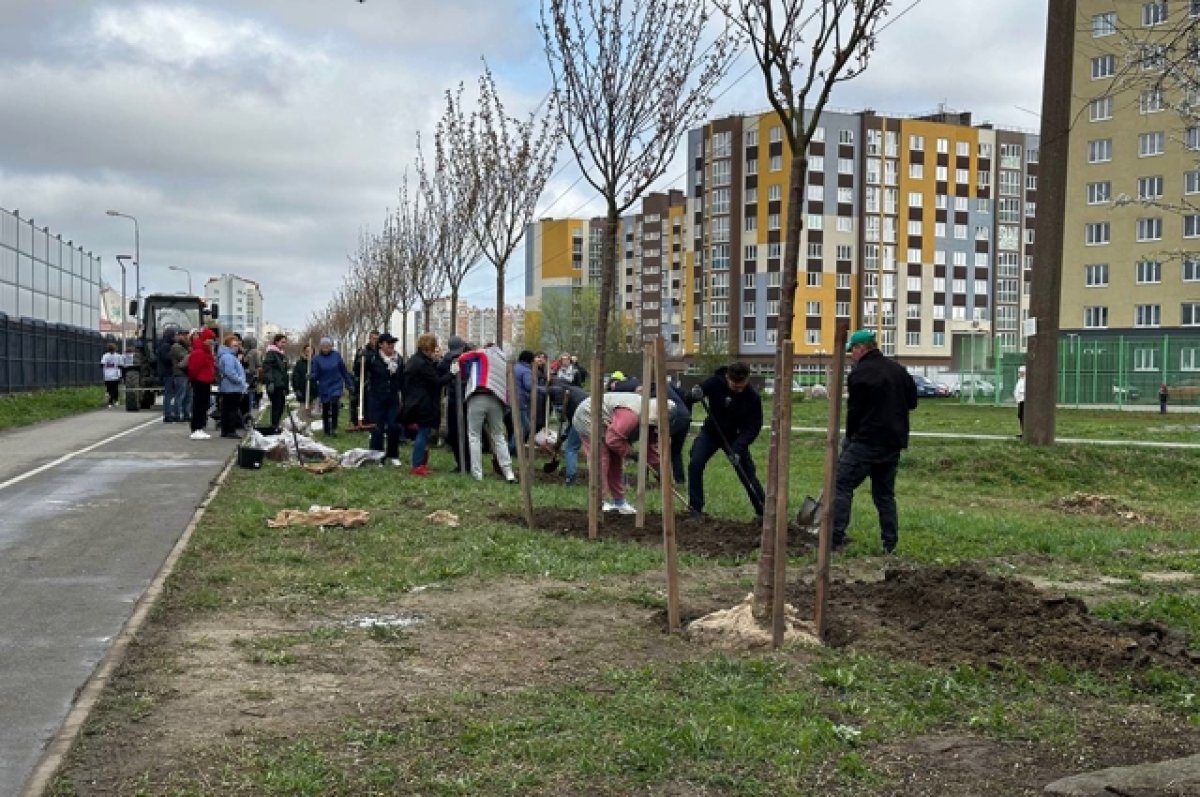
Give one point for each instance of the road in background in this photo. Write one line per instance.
(90, 506)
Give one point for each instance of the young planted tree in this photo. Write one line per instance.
(803, 48)
(371, 280)
(506, 162)
(415, 240)
(630, 77)
(452, 207)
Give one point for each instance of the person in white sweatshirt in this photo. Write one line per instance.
(1019, 397)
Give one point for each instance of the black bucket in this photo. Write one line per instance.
(251, 458)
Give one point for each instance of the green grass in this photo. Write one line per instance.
(690, 721)
(25, 409)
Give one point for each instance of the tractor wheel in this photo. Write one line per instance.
(133, 385)
(147, 399)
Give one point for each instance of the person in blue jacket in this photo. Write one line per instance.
(231, 385)
(330, 374)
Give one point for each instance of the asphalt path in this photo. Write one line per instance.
(90, 506)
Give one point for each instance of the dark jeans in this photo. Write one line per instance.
(857, 462)
(278, 398)
(1021, 415)
(386, 412)
(420, 450)
(329, 414)
(681, 424)
(169, 390)
(111, 386)
(707, 444)
(201, 394)
(456, 421)
(231, 412)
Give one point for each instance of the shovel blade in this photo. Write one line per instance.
(810, 511)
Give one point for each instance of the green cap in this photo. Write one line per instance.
(861, 336)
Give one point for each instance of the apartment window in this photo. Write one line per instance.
(844, 252)
(1191, 226)
(815, 250)
(1095, 275)
(776, 163)
(720, 172)
(1149, 229)
(751, 165)
(1147, 315)
(914, 228)
(773, 221)
(939, 339)
(1100, 109)
(941, 173)
(816, 163)
(962, 176)
(819, 134)
(774, 250)
(816, 193)
(1189, 314)
(916, 171)
(720, 201)
(958, 286)
(841, 309)
(916, 143)
(912, 339)
(1145, 359)
(1154, 13)
(1189, 359)
(752, 135)
(1031, 182)
(722, 144)
(1150, 187)
(812, 337)
(1152, 58)
(1095, 317)
(914, 284)
(985, 150)
(1104, 66)
(1191, 182)
(813, 279)
(775, 193)
(1148, 272)
(748, 281)
(1150, 101)
(775, 134)
(750, 253)
(1100, 150)
(773, 307)
(1191, 270)
(845, 196)
(1148, 144)
(962, 149)
(812, 309)
(943, 146)
(845, 136)
(750, 196)
(749, 337)
(751, 223)
(845, 166)
(749, 309)
(1104, 24)
(1096, 233)
(1192, 138)
(843, 281)
(1098, 193)
(845, 224)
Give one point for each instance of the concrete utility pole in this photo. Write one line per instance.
(1041, 380)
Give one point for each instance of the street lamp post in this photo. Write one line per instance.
(185, 271)
(137, 249)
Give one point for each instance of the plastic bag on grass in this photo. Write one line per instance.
(356, 457)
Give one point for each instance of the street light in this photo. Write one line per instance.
(185, 271)
(137, 249)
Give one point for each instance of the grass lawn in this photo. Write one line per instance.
(25, 409)
(281, 661)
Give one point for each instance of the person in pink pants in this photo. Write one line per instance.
(622, 418)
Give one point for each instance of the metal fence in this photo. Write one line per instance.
(35, 355)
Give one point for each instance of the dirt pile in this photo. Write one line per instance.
(1103, 505)
(962, 615)
(715, 537)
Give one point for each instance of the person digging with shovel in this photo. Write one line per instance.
(734, 420)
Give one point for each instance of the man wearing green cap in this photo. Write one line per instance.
(881, 395)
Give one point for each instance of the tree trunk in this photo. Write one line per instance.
(500, 304)
(764, 585)
(608, 273)
(427, 304)
(453, 311)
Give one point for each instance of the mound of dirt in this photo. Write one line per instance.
(708, 537)
(1091, 504)
(962, 615)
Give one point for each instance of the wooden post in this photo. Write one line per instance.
(530, 446)
(667, 481)
(644, 434)
(783, 392)
(518, 431)
(832, 433)
(463, 455)
(595, 479)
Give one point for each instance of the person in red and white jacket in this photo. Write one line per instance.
(486, 392)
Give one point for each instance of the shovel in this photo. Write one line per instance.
(362, 425)
(810, 511)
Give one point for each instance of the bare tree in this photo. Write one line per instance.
(452, 208)
(630, 77)
(416, 242)
(370, 279)
(837, 38)
(506, 161)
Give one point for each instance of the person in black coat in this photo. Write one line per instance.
(422, 399)
(733, 424)
(385, 383)
(881, 394)
(456, 417)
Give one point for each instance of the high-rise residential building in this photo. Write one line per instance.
(239, 302)
(918, 227)
(1131, 251)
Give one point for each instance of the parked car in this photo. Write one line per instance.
(1123, 394)
(925, 388)
(974, 386)
(943, 390)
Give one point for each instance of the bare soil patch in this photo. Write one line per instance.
(715, 537)
(1100, 505)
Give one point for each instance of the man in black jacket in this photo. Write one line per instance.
(362, 376)
(384, 385)
(733, 424)
(882, 394)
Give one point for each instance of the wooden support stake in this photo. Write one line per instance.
(667, 480)
(832, 433)
(518, 431)
(595, 479)
(783, 392)
(644, 434)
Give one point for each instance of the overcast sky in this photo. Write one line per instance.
(259, 136)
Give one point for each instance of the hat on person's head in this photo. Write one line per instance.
(618, 376)
(326, 342)
(860, 337)
(387, 337)
(454, 343)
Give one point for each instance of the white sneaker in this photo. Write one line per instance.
(509, 476)
(625, 508)
(200, 434)
(608, 506)
(394, 462)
